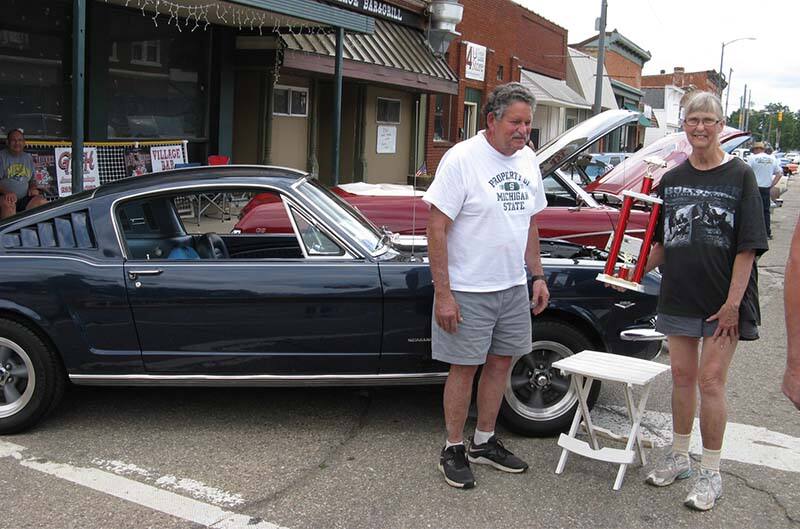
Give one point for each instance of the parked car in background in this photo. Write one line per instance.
(111, 287)
(741, 152)
(611, 158)
(572, 214)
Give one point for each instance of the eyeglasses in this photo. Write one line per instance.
(707, 122)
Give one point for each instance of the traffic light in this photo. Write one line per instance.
(780, 116)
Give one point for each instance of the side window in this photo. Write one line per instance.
(314, 240)
(213, 224)
(557, 193)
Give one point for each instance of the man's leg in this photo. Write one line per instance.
(457, 396)
(490, 390)
(766, 201)
(35, 202)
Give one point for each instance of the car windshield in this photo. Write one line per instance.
(341, 214)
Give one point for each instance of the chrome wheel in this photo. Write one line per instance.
(17, 378)
(535, 390)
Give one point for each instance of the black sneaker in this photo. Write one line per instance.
(455, 467)
(493, 453)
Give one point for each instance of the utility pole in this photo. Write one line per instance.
(747, 110)
(744, 109)
(728, 92)
(601, 59)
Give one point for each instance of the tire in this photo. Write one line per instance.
(539, 401)
(32, 378)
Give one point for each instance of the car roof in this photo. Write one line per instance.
(214, 173)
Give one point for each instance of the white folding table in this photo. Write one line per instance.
(587, 366)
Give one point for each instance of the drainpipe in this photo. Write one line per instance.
(78, 73)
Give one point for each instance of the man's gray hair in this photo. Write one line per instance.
(704, 102)
(506, 94)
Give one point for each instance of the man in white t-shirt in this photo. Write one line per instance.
(768, 173)
(481, 233)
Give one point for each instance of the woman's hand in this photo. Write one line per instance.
(727, 318)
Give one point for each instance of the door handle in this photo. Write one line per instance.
(133, 274)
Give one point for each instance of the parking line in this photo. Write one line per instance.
(139, 493)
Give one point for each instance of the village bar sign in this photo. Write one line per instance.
(381, 9)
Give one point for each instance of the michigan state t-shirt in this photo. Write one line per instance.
(490, 198)
(707, 218)
(15, 172)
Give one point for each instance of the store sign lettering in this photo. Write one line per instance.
(380, 9)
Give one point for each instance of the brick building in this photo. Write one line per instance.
(624, 61)
(707, 80)
(499, 40)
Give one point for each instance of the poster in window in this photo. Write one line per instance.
(476, 62)
(387, 139)
(91, 169)
(164, 157)
(137, 161)
(44, 170)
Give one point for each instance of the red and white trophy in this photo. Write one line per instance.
(629, 273)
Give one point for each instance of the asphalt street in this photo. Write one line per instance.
(352, 458)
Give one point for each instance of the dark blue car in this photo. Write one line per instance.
(116, 286)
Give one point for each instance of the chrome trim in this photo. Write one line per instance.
(259, 380)
(62, 257)
(641, 335)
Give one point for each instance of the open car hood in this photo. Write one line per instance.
(673, 149)
(569, 144)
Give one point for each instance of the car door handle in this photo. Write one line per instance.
(133, 274)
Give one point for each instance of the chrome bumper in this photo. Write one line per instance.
(641, 335)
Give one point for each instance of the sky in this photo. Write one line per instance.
(690, 33)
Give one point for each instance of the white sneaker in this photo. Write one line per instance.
(706, 491)
(673, 466)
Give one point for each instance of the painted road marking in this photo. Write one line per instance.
(743, 443)
(139, 493)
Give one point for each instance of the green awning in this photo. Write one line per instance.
(645, 122)
(632, 106)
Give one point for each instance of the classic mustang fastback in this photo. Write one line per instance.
(115, 286)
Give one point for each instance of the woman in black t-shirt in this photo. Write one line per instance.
(710, 232)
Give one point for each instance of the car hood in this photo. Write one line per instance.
(673, 149)
(569, 144)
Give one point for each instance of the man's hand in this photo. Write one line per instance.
(728, 321)
(540, 296)
(33, 191)
(446, 311)
(791, 386)
(10, 198)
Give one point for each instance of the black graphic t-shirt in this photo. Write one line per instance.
(707, 218)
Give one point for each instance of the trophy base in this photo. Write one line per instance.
(618, 282)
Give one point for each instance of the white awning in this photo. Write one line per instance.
(552, 92)
(582, 74)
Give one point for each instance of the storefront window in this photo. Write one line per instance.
(34, 90)
(290, 101)
(441, 118)
(156, 78)
(388, 110)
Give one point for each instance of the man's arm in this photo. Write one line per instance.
(446, 309)
(655, 258)
(539, 292)
(728, 314)
(791, 299)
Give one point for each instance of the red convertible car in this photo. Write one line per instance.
(572, 213)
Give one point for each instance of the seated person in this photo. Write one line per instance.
(18, 190)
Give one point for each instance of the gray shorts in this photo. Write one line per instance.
(699, 327)
(496, 323)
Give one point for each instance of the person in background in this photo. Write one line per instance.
(18, 190)
(481, 233)
(791, 300)
(768, 173)
(709, 290)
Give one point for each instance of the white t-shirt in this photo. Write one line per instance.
(764, 166)
(490, 198)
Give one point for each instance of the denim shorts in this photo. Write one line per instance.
(700, 328)
(493, 322)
